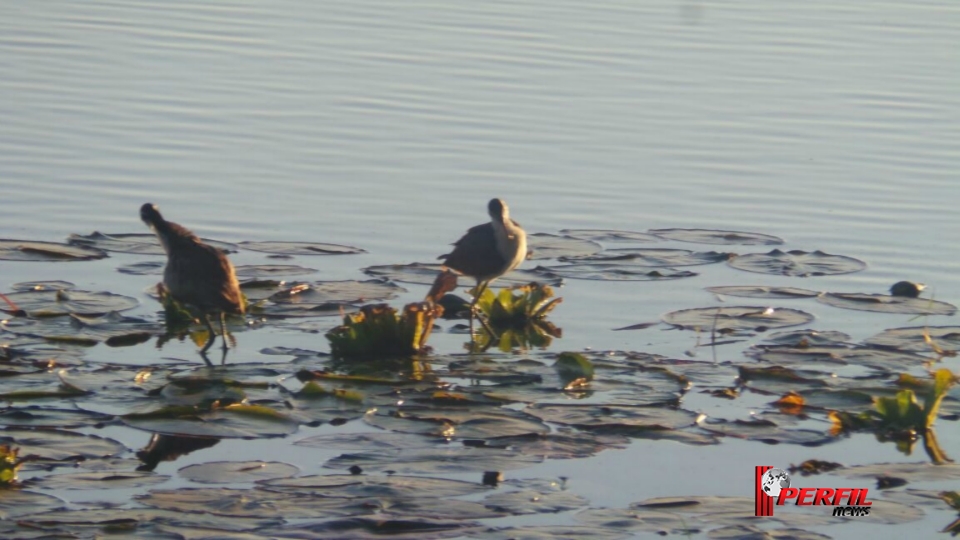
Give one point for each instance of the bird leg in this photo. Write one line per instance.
(213, 335)
(477, 292)
(223, 330)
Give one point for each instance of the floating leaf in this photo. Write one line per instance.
(139, 243)
(571, 366)
(630, 257)
(452, 422)
(37, 416)
(562, 445)
(736, 318)
(232, 421)
(99, 480)
(709, 236)
(738, 532)
(55, 285)
(807, 338)
(426, 274)
(396, 487)
(614, 272)
(797, 263)
(300, 248)
(117, 330)
(378, 526)
(548, 532)
(530, 501)
(605, 235)
(48, 303)
(766, 431)
(264, 270)
(883, 303)
(437, 460)
(59, 445)
(619, 419)
(145, 268)
(327, 292)
(762, 291)
(919, 338)
(15, 503)
(368, 441)
(551, 246)
(225, 472)
(249, 502)
(34, 251)
(628, 519)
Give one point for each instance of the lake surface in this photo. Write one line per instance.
(388, 126)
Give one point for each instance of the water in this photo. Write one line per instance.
(388, 125)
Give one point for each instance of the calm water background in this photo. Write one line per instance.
(388, 125)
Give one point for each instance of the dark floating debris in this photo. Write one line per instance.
(277, 247)
(709, 236)
(797, 263)
(36, 251)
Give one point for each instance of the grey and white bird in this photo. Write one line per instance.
(196, 274)
(488, 251)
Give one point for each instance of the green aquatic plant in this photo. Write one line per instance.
(9, 463)
(515, 307)
(377, 331)
(902, 418)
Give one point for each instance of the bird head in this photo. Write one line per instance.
(498, 210)
(150, 215)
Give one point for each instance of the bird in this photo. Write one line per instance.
(196, 274)
(488, 251)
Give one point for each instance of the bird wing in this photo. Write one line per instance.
(475, 254)
(207, 278)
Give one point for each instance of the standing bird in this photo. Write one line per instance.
(196, 274)
(488, 251)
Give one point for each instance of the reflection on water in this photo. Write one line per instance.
(388, 125)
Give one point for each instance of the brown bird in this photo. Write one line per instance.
(196, 274)
(488, 251)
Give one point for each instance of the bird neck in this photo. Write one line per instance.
(510, 238)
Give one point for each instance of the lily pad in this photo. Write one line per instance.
(761, 291)
(328, 292)
(736, 318)
(797, 263)
(54, 285)
(912, 472)
(114, 328)
(396, 487)
(456, 422)
(37, 416)
(807, 338)
(48, 303)
(99, 480)
(607, 235)
(549, 532)
(426, 274)
(145, 268)
(15, 503)
(551, 246)
(368, 441)
(767, 432)
(655, 257)
(34, 251)
(566, 444)
(883, 303)
(60, 445)
(739, 532)
(270, 270)
(628, 519)
(614, 272)
(914, 338)
(438, 460)
(225, 472)
(613, 419)
(249, 502)
(300, 248)
(530, 501)
(376, 527)
(232, 421)
(709, 236)
(139, 243)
